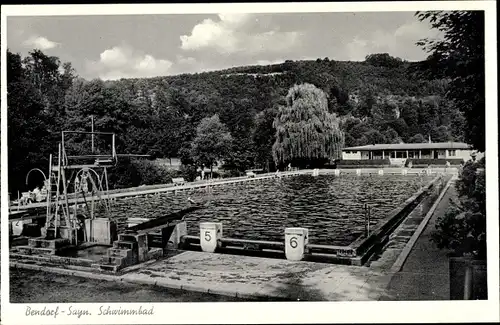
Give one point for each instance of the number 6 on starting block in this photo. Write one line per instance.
(296, 240)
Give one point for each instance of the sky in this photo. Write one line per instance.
(126, 46)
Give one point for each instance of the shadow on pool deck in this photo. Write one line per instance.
(27, 286)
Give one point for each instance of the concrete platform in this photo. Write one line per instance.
(255, 277)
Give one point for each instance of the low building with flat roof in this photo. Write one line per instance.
(396, 151)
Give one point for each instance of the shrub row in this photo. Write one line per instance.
(364, 162)
(132, 173)
(433, 162)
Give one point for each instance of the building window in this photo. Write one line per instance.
(400, 154)
(452, 153)
(426, 153)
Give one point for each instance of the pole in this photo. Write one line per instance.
(468, 283)
(49, 192)
(365, 208)
(369, 217)
(92, 117)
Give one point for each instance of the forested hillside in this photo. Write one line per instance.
(378, 100)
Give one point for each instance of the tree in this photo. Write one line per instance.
(463, 227)
(305, 131)
(392, 136)
(459, 56)
(367, 101)
(440, 134)
(264, 137)
(417, 138)
(35, 88)
(383, 60)
(212, 142)
(374, 137)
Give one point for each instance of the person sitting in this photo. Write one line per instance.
(37, 194)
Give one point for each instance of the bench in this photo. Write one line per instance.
(178, 181)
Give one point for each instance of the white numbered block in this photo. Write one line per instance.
(381, 172)
(404, 171)
(210, 233)
(358, 172)
(296, 240)
(337, 172)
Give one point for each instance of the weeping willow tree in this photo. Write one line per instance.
(305, 131)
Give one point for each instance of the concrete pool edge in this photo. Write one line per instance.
(398, 264)
(365, 247)
(143, 281)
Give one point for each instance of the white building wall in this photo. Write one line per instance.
(460, 153)
(347, 155)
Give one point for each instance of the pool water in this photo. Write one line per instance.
(330, 206)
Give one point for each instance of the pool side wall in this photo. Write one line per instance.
(365, 247)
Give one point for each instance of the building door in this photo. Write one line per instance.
(436, 154)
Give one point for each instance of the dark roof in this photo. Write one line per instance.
(410, 146)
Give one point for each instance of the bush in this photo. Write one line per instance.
(132, 173)
(188, 172)
(463, 227)
(152, 174)
(123, 175)
(366, 163)
(433, 162)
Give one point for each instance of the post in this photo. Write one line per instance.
(113, 144)
(296, 240)
(107, 189)
(365, 208)
(210, 233)
(60, 149)
(57, 195)
(49, 190)
(468, 282)
(369, 217)
(92, 128)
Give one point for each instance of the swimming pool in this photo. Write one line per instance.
(330, 206)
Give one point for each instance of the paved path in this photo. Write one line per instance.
(425, 274)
